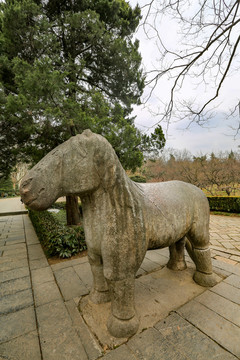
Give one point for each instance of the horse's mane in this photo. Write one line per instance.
(109, 169)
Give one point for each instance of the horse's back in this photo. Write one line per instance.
(173, 193)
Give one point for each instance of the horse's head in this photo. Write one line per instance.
(78, 166)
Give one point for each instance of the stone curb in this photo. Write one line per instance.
(10, 213)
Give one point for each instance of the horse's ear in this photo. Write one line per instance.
(87, 132)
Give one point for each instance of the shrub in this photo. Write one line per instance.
(225, 204)
(56, 238)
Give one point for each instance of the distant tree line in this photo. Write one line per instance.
(218, 174)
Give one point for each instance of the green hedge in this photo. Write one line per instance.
(57, 239)
(225, 204)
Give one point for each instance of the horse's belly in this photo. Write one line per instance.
(164, 232)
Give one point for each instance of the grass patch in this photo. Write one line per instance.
(60, 217)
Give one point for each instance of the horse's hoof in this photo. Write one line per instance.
(122, 328)
(207, 280)
(177, 265)
(99, 297)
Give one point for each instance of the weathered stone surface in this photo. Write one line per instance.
(14, 248)
(157, 257)
(53, 318)
(46, 292)
(17, 323)
(38, 263)
(58, 339)
(89, 342)
(227, 267)
(222, 306)
(122, 220)
(157, 294)
(163, 291)
(152, 345)
(228, 291)
(190, 341)
(24, 347)
(69, 283)
(13, 286)
(16, 301)
(213, 325)
(65, 346)
(42, 275)
(11, 263)
(85, 274)
(123, 352)
(35, 252)
(15, 251)
(149, 265)
(14, 274)
(233, 280)
(16, 240)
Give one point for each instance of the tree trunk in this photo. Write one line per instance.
(72, 210)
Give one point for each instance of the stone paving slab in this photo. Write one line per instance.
(224, 332)
(59, 340)
(84, 272)
(17, 324)
(46, 293)
(233, 280)
(10, 205)
(70, 283)
(220, 305)
(150, 344)
(42, 275)
(25, 347)
(11, 264)
(12, 286)
(190, 341)
(35, 252)
(14, 274)
(16, 301)
(228, 291)
(38, 263)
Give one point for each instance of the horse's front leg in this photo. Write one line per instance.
(123, 321)
(99, 293)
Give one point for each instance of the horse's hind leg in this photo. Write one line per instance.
(177, 258)
(201, 255)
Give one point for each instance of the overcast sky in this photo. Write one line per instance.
(218, 134)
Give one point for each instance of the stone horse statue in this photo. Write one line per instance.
(122, 220)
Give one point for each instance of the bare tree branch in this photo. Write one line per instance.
(210, 30)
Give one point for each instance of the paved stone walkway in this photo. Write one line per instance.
(39, 319)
